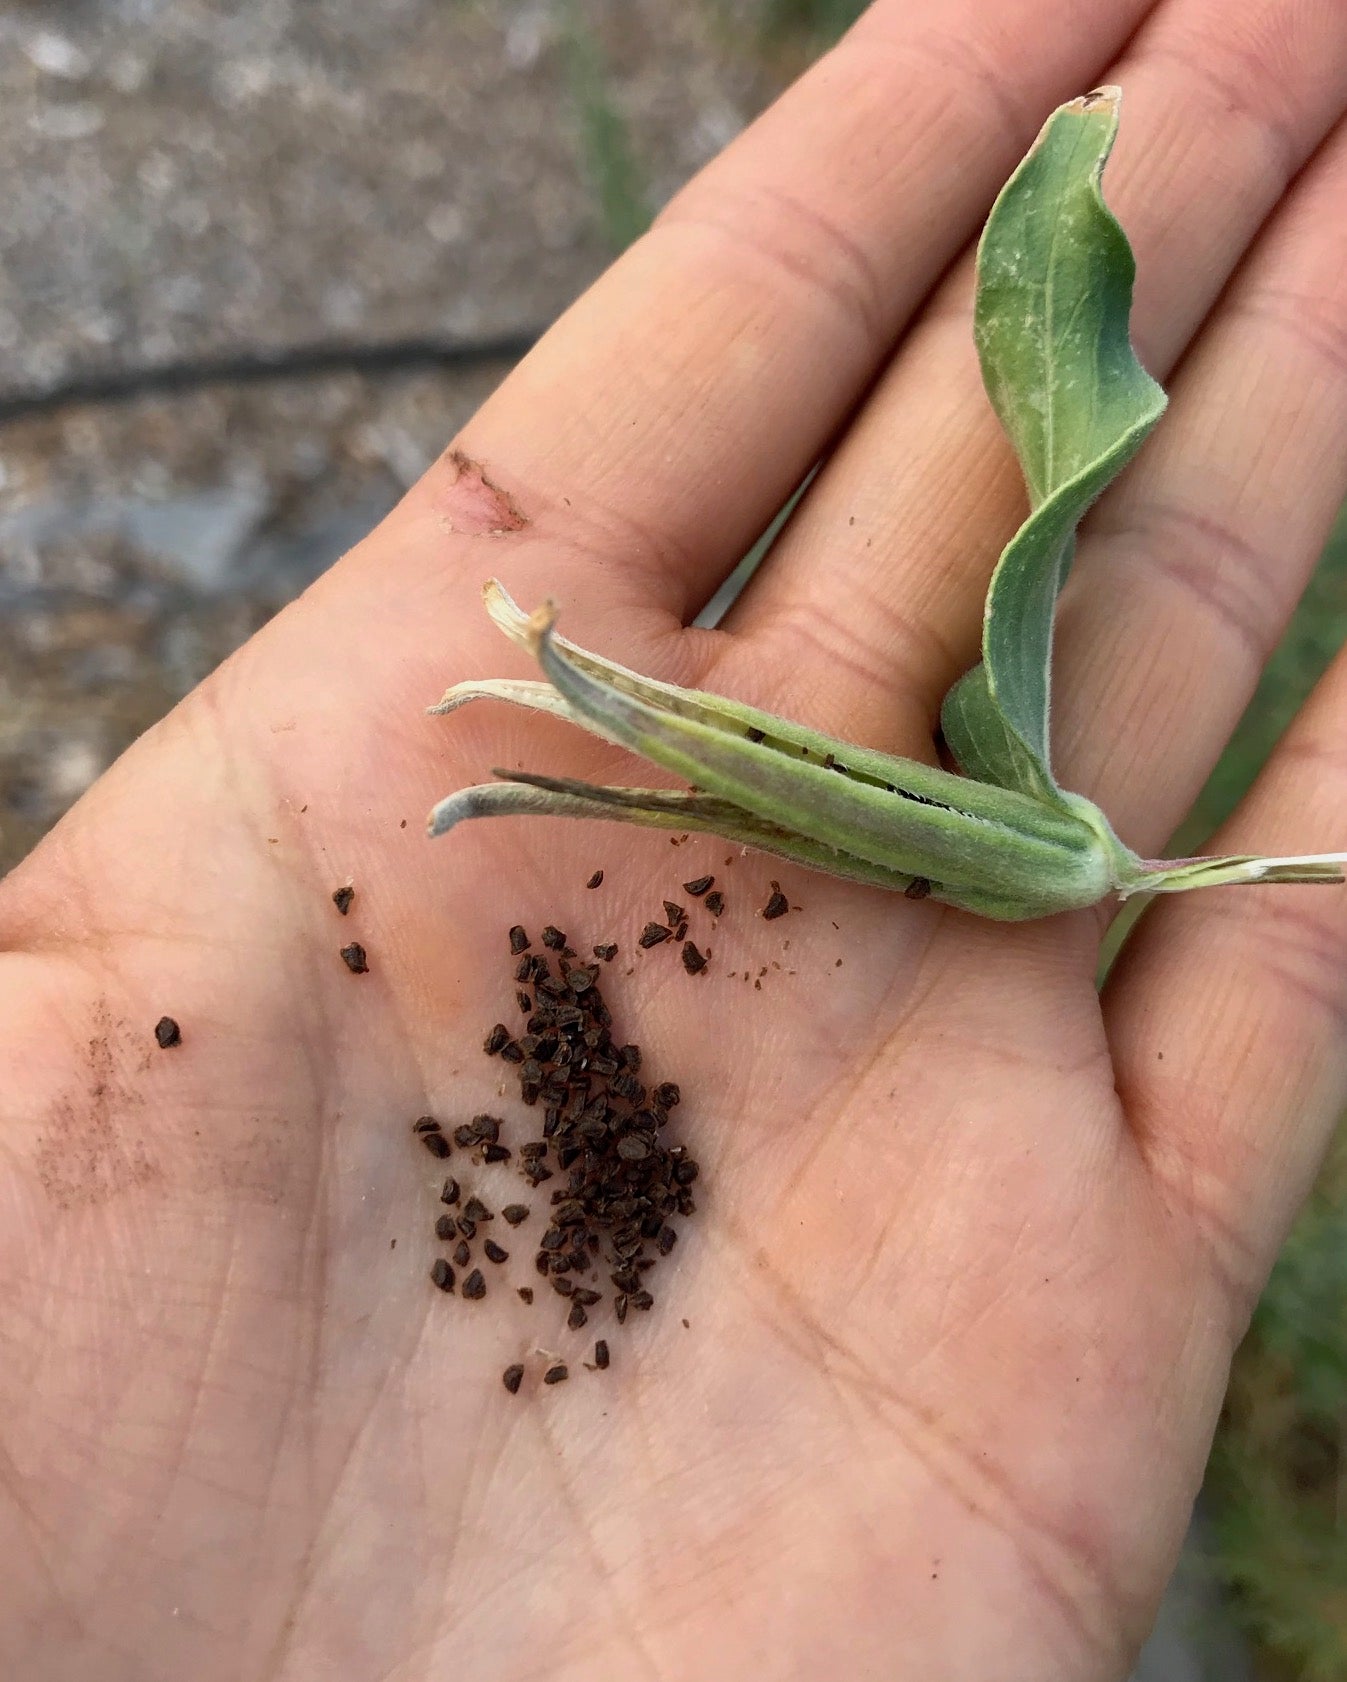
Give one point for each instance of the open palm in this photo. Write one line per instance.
(930, 1379)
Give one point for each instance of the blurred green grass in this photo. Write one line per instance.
(1277, 1482)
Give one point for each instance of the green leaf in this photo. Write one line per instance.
(1054, 293)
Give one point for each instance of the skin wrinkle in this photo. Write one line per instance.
(1309, 321)
(962, 1473)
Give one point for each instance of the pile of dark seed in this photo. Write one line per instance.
(602, 1129)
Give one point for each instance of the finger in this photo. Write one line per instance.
(1189, 573)
(881, 577)
(662, 422)
(1227, 1015)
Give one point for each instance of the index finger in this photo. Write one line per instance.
(671, 411)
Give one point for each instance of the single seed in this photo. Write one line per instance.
(632, 1148)
(425, 1124)
(620, 1309)
(525, 1002)
(467, 1227)
(525, 1293)
(715, 903)
(595, 880)
(496, 1040)
(495, 1153)
(436, 1144)
(474, 1286)
(515, 1213)
(699, 887)
(523, 970)
(601, 1353)
(777, 905)
(511, 1053)
(642, 1299)
(607, 952)
(555, 1375)
(462, 1254)
(519, 941)
(693, 960)
(512, 1378)
(667, 1239)
(342, 899)
(577, 1316)
(917, 888)
(652, 934)
(585, 1296)
(443, 1275)
(563, 1286)
(554, 938)
(167, 1033)
(494, 1253)
(673, 914)
(754, 735)
(450, 1191)
(444, 1227)
(353, 956)
(465, 1136)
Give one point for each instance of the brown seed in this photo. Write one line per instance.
(554, 938)
(476, 1210)
(585, 1296)
(601, 1353)
(515, 1213)
(425, 1124)
(512, 1053)
(525, 1293)
(577, 1316)
(555, 1375)
(494, 1253)
(674, 914)
(699, 887)
(563, 1286)
(443, 1275)
(496, 1040)
(462, 1254)
(449, 1193)
(342, 899)
(632, 1148)
(652, 934)
(167, 1033)
(519, 941)
(667, 1239)
(512, 1378)
(444, 1227)
(474, 1285)
(620, 1309)
(715, 903)
(495, 1153)
(694, 961)
(777, 906)
(523, 970)
(607, 953)
(525, 1003)
(353, 956)
(642, 1299)
(917, 888)
(754, 735)
(595, 880)
(465, 1136)
(436, 1144)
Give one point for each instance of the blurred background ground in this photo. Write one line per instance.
(258, 261)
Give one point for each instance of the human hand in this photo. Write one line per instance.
(975, 1244)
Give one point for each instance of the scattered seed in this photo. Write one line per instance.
(577, 1316)
(342, 899)
(693, 960)
(496, 1040)
(777, 905)
(525, 1293)
(474, 1286)
(607, 952)
(666, 1241)
(652, 934)
(620, 1309)
(674, 914)
(553, 938)
(512, 1378)
(699, 887)
(715, 903)
(167, 1033)
(512, 1053)
(754, 734)
(633, 1148)
(917, 888)
(443, 1275)
(425, 1124)
(515, 1213)
(494, 1253)
(555, 1375)
(462, 1254)
(436, 1144)
(353, 956)
(601, 1353)
(444, 1227)
(525, 1002)
(519, 941)
(495, 1153)
(449, 1192)
(595, 880)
